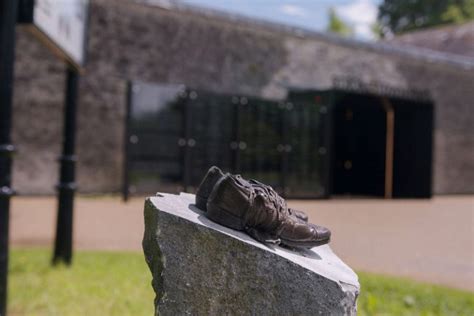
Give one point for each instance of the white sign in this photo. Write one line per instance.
(64, 22)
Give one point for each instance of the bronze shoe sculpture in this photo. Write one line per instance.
(204, 189)
(214, 174)
(235, 204)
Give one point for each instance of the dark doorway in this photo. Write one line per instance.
(413, 148)
(382, 146)
(359, 145)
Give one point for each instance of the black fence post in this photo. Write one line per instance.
(284, 114)
(186, 152)
(8, 15)
(126, 144)
(67, 185)
(234, 145)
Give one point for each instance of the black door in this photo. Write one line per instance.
(359, 145)
(413, 147)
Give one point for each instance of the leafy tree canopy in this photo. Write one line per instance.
(398, 16)
(336, 25)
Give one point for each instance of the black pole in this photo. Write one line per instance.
(285, 140)
(185, 136)
(67, 185)
(126, 144)
(234, 145)
(8, 14)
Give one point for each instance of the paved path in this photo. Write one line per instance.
(428, 240)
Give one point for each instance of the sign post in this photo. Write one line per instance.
(67, 186)
(8, 13)
(62, 26)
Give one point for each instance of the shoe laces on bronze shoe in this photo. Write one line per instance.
(268, 220)
(300, 215)
(267, 212)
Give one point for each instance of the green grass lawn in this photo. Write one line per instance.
(103, 283)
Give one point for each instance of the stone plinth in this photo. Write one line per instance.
(202, 268)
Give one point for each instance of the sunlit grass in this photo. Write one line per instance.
(104, 283)
(382, 295)
(98, 283)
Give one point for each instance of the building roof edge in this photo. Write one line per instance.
(423, 54)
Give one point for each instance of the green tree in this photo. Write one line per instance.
(400, 16)
(377, 30)
(336, 25)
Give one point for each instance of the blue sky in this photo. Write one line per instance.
(310, 14)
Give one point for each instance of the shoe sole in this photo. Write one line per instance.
(227, 219)
(223, 217)
(308, 244)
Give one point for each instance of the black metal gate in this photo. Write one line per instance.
(174, 134)
(380, 142)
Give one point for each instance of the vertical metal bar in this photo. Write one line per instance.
(126, 145)
(390, 134)
(236, 136)
(314, 147)
(284, 114)
(301, 152)
(310, 147)
(182, 142)
(325, 147)
(25, 11)
(186, 151)
(328, 152)
(258, 142)
(67, 185)
(8, 14)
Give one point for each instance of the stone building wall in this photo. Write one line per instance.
(132, 41)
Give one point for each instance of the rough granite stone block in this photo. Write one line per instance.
(202, 268)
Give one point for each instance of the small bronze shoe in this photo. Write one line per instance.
(214, 174)
(235, 204)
